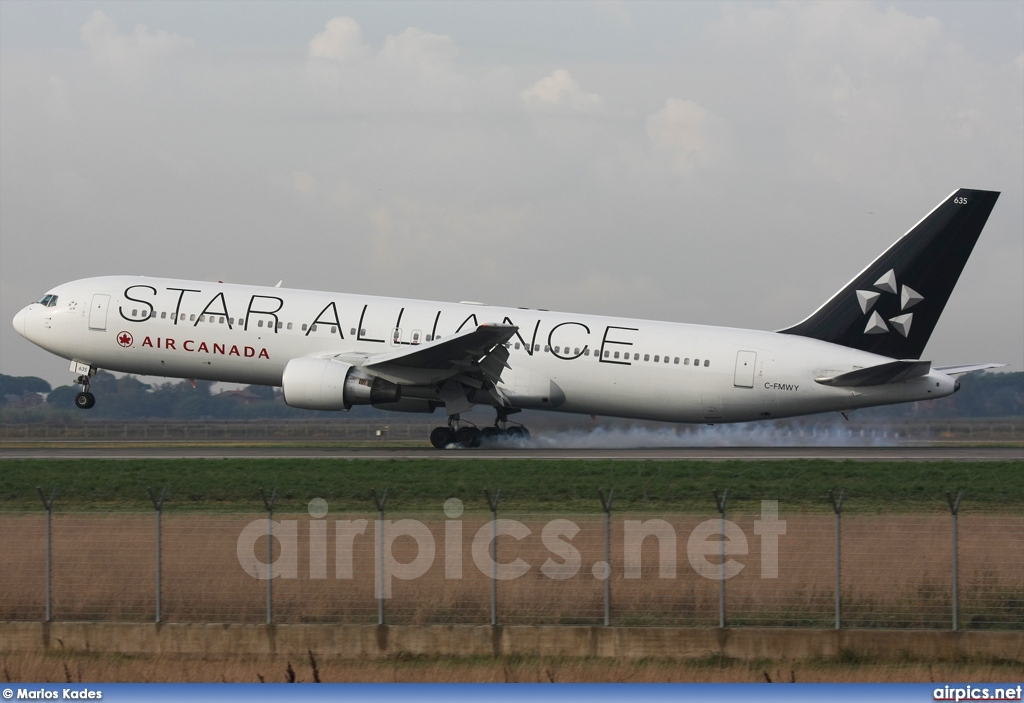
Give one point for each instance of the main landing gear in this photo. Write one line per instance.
(469, 436)
(85, 399)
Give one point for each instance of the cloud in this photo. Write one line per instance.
(423, 50)
(129, 55)
(339, 41)
(682, 128)
(560, 90)
(413, 70)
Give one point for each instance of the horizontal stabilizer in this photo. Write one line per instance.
(892, 372)
(966, 368)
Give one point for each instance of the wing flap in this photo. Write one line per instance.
(479, 351)
(892, 372)
(966, 368)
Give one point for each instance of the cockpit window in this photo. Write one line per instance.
(48, 300)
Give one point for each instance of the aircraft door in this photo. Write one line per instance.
(743, 377)
(98, 311)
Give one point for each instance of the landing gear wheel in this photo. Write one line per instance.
(490, 433)
(517, 432)
(85, 400)
(468, 436)
(441, 437)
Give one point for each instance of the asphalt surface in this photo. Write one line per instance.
(74, 450)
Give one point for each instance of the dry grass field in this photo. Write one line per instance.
(896, 573)
(88, 668)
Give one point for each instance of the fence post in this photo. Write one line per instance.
(954, 508)
(269, 505)
(493, 503)
(837, 508)
(721, 540)
(607, 506)
(380, 502)
(48, 504)
(158, 503)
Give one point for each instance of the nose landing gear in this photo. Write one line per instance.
(85, 399)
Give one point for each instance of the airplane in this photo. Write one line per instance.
(331, 351)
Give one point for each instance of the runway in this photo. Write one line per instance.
(717, 453)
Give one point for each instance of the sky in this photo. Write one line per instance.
(717, 163)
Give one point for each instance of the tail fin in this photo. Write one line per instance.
(892, 306)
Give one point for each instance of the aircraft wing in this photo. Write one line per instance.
(891, 372)
(473, 359)
(966, 368)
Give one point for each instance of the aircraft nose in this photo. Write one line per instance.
(19, 321)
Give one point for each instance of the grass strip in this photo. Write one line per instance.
(527, 486)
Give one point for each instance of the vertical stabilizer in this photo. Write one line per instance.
(892, 306)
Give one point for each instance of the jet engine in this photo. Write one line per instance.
(329, 384)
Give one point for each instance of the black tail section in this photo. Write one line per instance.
(892, 306)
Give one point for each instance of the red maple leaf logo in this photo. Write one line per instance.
(124, 339)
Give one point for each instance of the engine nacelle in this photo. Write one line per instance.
(328, 384)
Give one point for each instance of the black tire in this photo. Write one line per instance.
(441, 437)
(468, 436)
(490, 433)
(84, 401)
(517, 432)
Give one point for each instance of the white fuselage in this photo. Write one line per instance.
(559, 361)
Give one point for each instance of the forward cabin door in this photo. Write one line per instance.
(98, 311)
(744, 375)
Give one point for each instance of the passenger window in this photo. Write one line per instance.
(260, 323)
(241, 320)
(517, 345)
(657, 358)
(686, 361)
(311, 329)
(289, 325)
(556, 349)
(135, 312)
(191, 318)
(666, 359)
(231, 320)
(707, 363)
(362, 331)
(202, 318)
(676, 360)
(352, 331)
(636, 357)
(333, 329)
(163, 316)
(616, 355)
(221, 320)
(536, 347)
(429, 338)
(547, 348)
(303, 326)
(606, 353)
(696, 362)
(576, 351)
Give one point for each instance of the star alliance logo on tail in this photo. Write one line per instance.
(908, 299)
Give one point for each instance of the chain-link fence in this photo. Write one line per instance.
(461, 565)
